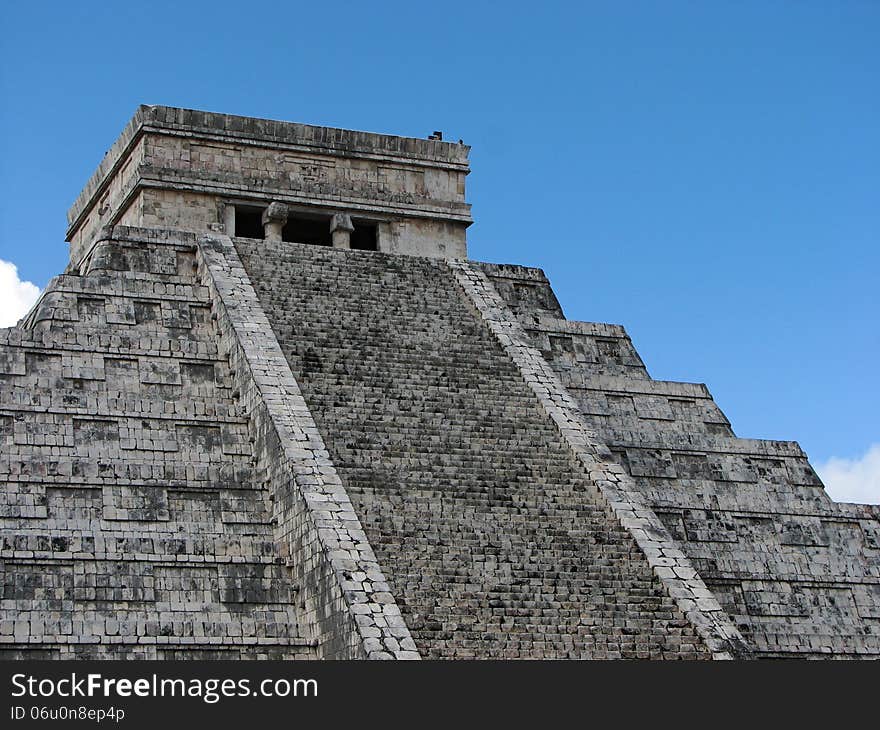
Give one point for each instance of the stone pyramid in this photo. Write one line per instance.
(271, 410)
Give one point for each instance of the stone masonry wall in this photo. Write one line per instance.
(111, 200)
(249, 449)
(132, 522)
(357, 178)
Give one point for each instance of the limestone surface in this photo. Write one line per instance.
(270, 410)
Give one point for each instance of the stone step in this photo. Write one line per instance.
(478, 513)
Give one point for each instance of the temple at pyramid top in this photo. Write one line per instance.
(257, 178)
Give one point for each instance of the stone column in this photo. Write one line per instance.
(229, 219)
(341, 228)
(274, 218)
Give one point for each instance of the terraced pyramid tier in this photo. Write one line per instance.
(131, 524)
(798, 573)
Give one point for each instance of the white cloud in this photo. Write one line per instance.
(16, 296)
(853, 480)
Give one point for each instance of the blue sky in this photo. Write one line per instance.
(704, 173)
